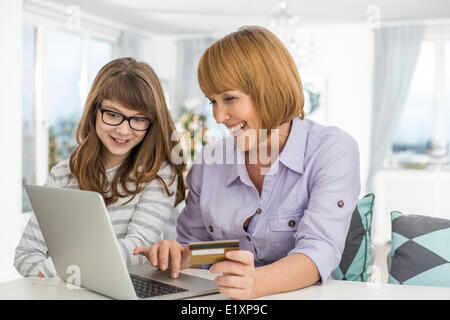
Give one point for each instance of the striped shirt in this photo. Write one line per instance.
(138, 223)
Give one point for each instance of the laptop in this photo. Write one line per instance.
(79, 235)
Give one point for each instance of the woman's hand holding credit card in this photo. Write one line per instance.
(170, 254)
(236, 266)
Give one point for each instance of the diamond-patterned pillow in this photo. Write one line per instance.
(357, 257)
(420, 253)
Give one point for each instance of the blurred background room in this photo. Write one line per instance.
(378, 69)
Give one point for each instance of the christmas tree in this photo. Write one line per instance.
(192, 129)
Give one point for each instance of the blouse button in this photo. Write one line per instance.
(248, 238)
(210, 229)
(258, 210)
(340, 203)
(291, 223)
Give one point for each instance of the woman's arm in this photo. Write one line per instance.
(242, 281)
(320, 235)
(335, 188)
(293, 272)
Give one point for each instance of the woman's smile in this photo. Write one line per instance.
(237, 129)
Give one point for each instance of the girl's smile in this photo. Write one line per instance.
(120, 142)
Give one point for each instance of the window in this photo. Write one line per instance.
(415, 130)
(27, 109)
(100, 52)
(423, 133)
(447, 88)
(59, 66)
(61, 87)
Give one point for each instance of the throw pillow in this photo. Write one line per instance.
(357, 257)
(420, 253)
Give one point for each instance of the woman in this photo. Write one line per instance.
(290, 210)
(123, 153)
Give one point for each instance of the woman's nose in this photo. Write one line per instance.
(220, 113)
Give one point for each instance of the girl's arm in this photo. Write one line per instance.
(190, 228)
(153, 211)
(31, 256)
(190, 225)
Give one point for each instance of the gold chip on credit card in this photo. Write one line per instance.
(210, 252)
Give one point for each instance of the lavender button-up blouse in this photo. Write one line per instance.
(305, 206)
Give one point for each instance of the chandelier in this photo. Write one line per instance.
(287, 27)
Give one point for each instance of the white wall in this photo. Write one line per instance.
(421, 192)
(344, 57)
(10, 134)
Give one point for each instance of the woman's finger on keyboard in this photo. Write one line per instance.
(163, 255)
(175, 259)
(153, 254)
(140, 250)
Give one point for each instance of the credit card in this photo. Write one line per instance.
(210, 252)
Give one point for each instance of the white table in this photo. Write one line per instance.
(56, 289)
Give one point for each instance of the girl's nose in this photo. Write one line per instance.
(124, 128)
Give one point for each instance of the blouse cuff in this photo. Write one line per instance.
(323, 257)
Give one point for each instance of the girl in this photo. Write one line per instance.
(290, 210)
(123, 153)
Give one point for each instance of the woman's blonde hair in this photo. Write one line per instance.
(254, 61)
(136, 86)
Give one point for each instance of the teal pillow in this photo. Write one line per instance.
(357, 257)
(420, 253)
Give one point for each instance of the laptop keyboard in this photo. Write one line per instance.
(146, 288)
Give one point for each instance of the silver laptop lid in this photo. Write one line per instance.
(80, 239)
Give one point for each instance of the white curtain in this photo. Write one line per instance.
(187, 91)
(396, 52)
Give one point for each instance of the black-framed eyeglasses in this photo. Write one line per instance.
(113, 118)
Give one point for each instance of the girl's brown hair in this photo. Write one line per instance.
(136, 86)
(254, 61)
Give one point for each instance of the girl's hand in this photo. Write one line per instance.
(238, 279)
(168, 254)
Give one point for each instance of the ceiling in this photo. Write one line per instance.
(201, 16)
